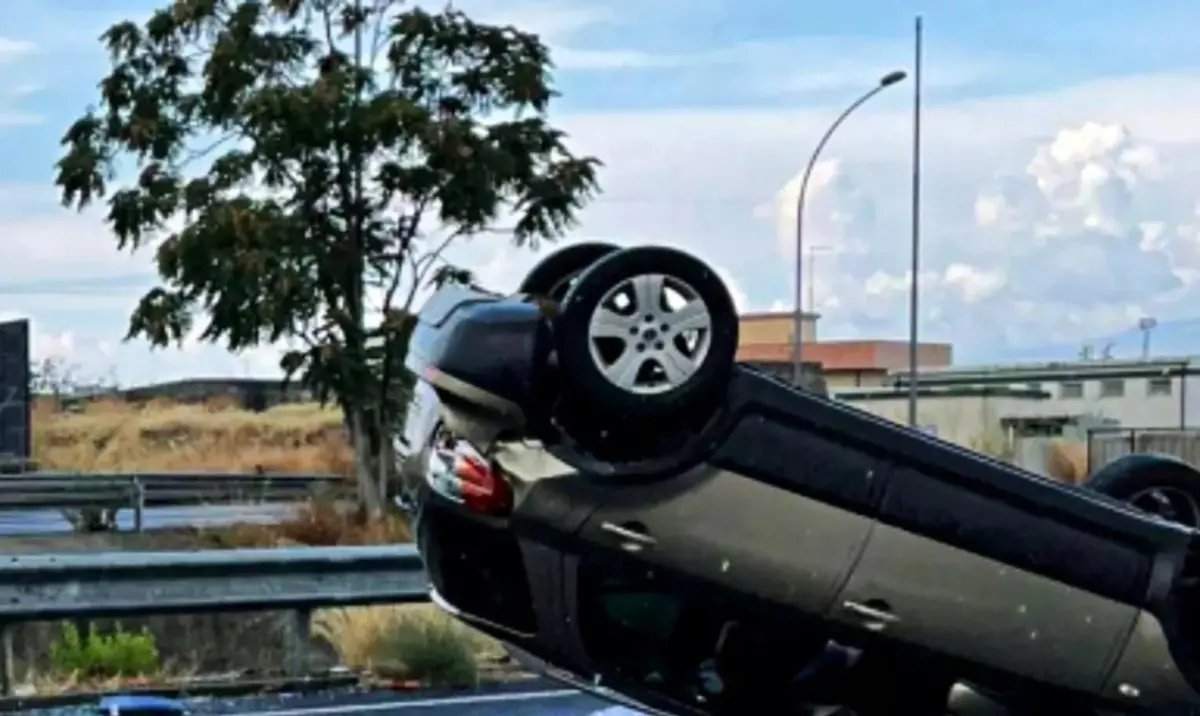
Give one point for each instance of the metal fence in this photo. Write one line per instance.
(82, 586)
(137, 491)
(1107, 444)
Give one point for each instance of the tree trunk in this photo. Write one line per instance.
(369, 495)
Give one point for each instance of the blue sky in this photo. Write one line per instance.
(1062, 162)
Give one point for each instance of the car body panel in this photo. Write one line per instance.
(1146, 674)
(735, 532)
(983, 611)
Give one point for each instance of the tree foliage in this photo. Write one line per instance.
(299, 166)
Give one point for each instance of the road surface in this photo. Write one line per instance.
(539, 700)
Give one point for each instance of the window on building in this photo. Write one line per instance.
(1070, 389)
(1158, 386)
(1112, 388)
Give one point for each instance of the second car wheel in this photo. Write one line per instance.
(552, 276)
(647, 332)
(1161, 485)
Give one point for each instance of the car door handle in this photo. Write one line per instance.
(632, 535)
(875, 615)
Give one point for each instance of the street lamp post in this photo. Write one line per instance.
(886, 81)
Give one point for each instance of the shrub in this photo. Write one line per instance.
(120, 653)
(418, 644)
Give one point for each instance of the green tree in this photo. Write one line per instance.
(300, 166)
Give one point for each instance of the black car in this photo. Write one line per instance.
(600, 485)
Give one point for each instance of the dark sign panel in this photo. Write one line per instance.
(15, 431)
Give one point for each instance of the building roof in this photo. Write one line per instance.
(852, 395)
(1053, 371)
(839, 355)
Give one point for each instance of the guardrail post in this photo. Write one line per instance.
(299, 636)
(139, 505)
(8, 679)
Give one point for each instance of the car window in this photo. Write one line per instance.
(630, 629)
(684, 644)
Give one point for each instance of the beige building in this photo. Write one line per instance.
(981, 406)
(1158, 393)
(765, 339)
(983, 418)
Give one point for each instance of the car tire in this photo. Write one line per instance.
(686, 353)
(1161, 485)
(552, 276)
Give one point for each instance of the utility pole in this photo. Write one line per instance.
(812, 271)
(914, 283)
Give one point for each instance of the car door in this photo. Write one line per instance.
(958, 603)
(726, 529)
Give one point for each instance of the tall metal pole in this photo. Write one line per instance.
(812, 280)
(886, 81)
(812, 274)
(914, 284)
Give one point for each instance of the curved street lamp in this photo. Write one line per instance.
(886, 81)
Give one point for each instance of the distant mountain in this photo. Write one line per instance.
(1167, 339)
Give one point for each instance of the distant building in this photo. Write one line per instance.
(766, 341)
(251, 393)
(965, 403)
(1158, 393)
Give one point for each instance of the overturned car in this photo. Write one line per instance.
(597, 483)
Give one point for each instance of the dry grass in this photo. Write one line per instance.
(408, 642)
(317, 524)
(110, 435)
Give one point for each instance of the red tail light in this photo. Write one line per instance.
(482, 489)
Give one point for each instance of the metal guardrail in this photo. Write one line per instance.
(137, 491)
(81, 586)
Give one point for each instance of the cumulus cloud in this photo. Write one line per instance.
(1072, 245)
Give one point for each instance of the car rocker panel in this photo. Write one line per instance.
(800, 501)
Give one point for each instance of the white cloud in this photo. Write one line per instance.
(12, 53)
(44, 346)
(11, 50)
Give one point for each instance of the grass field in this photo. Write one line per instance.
(109, 435)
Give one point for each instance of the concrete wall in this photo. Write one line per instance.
(972, 420)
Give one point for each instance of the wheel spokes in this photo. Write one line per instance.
(647, 294)
(607, 323)
(651, 318)
(692, 316)
(623, 372)
(675, 364)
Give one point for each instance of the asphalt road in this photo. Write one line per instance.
(43, 522)
(539, 700)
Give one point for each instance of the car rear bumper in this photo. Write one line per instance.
(476, 568)
(482, 354)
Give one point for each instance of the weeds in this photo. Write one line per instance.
(409, 642)
(100, 656)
